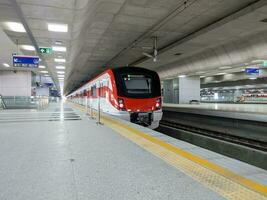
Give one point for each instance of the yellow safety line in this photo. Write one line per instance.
(219, 179)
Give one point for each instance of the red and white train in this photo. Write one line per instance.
(130, 93)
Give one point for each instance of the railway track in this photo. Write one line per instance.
(246, 142)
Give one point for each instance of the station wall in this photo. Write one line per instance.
(15, 83)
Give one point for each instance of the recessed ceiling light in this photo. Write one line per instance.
(60, 60)
(182, 76)
(15, 26)
(252, 78)
(60, 67)
(46, 75)
(6, 65)
(41, 67)
(59, 48)
(257, 61)
(61, 75)
(28, 47)
(58, 42)
(221, 73)
(44, 72)
(225, 67)
(57, 27)
(60, 72)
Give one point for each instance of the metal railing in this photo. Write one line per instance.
(22, 102)
(2, 103)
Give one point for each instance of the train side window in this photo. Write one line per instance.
(93, 90)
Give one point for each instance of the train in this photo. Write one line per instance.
(129, 93)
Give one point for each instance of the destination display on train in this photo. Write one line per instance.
(25, 61)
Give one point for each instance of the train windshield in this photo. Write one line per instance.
(135, 82)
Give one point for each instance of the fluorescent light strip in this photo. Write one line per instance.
(15, 26)
(59, 48)
(221, 73)
(61, 75)
(60, 67)
(182, 76)
(41, 67)
(6, 65)
(28, 47)
(63, 28)
(60, 72)
(60, 60)
(44, 72)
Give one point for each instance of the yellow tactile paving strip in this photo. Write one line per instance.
(221, 180)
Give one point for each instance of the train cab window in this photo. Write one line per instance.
(137, 84)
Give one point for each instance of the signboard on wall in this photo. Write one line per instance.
(252, 71)
(25, 61)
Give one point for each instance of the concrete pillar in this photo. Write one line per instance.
(189, 89)
(168, 91)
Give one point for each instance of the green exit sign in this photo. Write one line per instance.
(265, 63)
(45, 50)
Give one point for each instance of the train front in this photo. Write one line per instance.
(139, 95)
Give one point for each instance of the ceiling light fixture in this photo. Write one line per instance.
(63, 28)
(44, 72)
(28, 47)
(60, 72)
(61, 75)
(60, 60)
(252, 78)
(6, 65)
(257, 61)
(41, 67)
(225, 67)
(222, 73)
(15, 26)
(182, 76)
(59, 48)
(60, 67)
(58, 42)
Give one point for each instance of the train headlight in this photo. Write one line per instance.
(121, 104)
(158, 104)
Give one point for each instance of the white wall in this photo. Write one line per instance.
(15, 84)
(189, 89)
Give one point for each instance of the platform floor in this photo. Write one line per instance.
(60, 153)
(247, 108)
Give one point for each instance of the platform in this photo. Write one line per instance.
(251, 112)
(60, 153)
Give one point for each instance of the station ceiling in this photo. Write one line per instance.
(194, 36)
